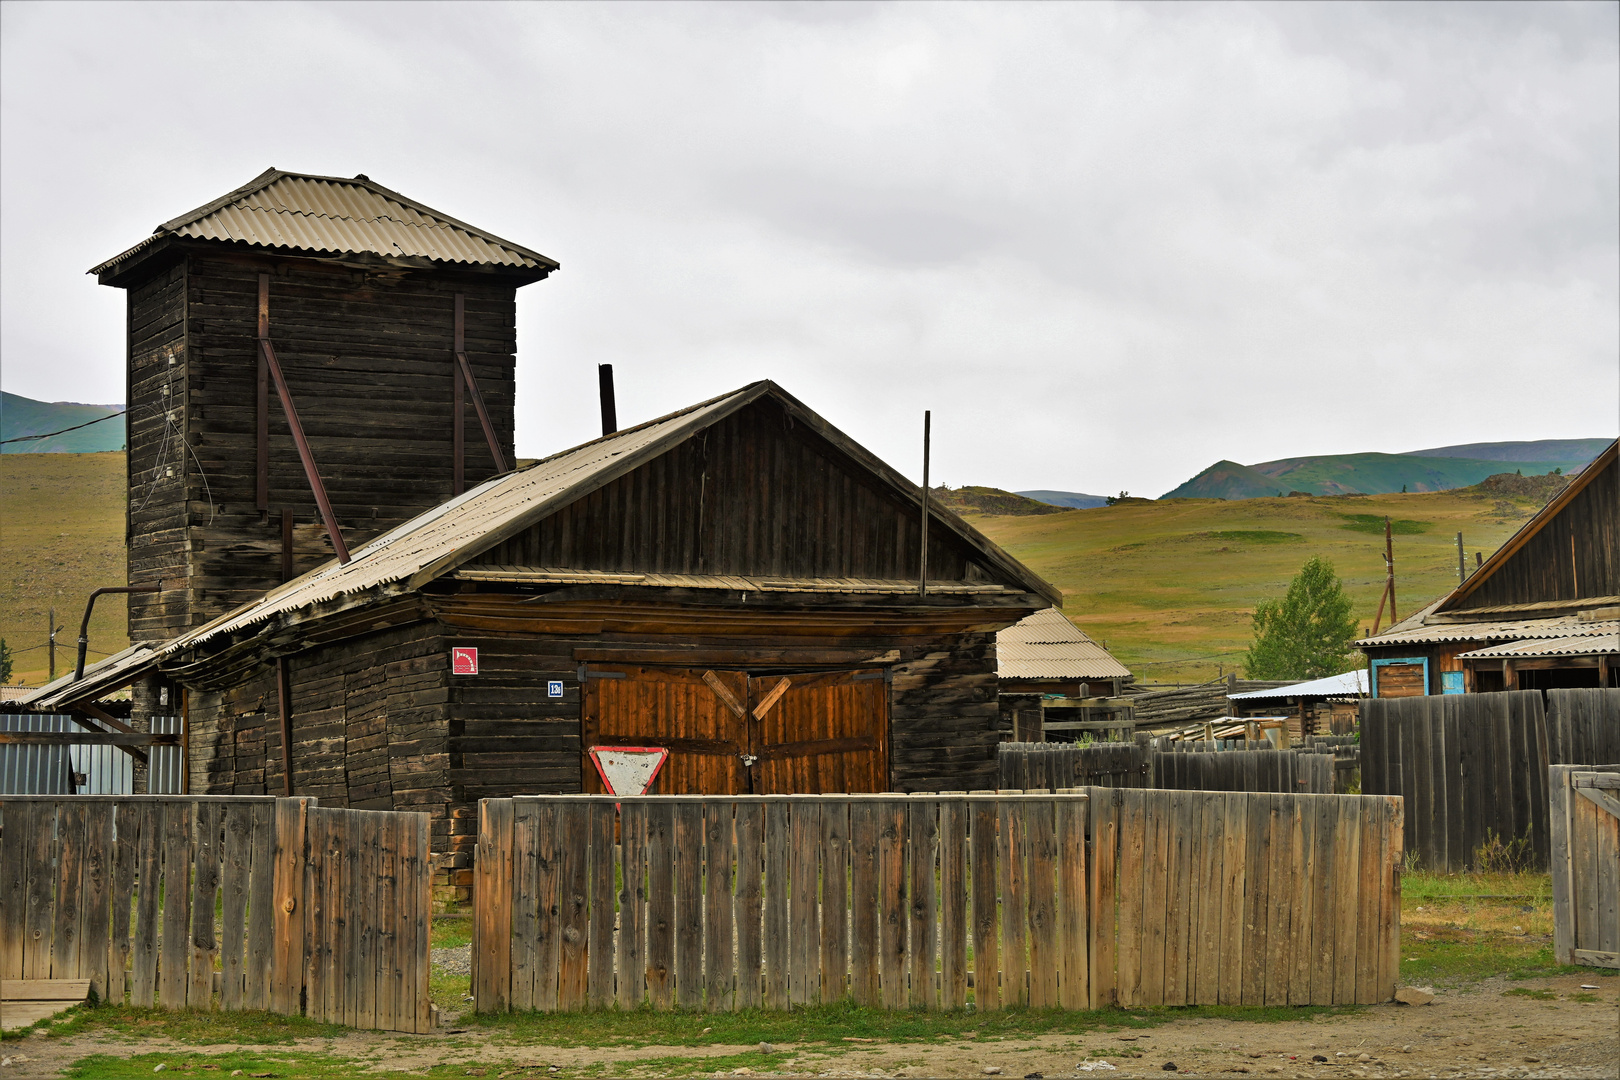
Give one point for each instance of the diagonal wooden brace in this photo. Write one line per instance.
(463, 377)
(267, 355)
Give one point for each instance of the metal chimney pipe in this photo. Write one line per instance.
(90, 605)
(610, 414)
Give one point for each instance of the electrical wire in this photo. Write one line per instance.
(64, 431)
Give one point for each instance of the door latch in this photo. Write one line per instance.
(748, 760)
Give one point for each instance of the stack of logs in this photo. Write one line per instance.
(1183, 705)
(452, 869)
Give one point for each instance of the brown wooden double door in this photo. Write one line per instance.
(731, 733)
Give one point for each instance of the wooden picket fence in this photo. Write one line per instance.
(320, 912)
(1586, 864)
(1073, 900)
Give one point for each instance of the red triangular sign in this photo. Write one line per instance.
(628, 770)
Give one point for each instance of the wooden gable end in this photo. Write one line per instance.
(756, 493)
(1572, 555)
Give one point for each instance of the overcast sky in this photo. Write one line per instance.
(1108, 244)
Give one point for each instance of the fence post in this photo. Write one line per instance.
(287, 957)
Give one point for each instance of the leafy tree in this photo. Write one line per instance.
(5, 661)
(1307, 634)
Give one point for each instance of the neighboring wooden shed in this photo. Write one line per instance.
(1543, 612)
(738, 581)
(1053, 678)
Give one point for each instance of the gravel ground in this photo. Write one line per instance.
(453, 961)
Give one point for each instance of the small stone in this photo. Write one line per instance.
(766, 1048)
(1407, 1049)
(1363, 1057)
(1531, 1058)
(1034, 1076)
(705, 1031)
(1252, 1053)
(1413, 995)
(1318, 1057)
(991, 1070)
(1168, 1066)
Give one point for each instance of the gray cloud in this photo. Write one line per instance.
(1106, 243)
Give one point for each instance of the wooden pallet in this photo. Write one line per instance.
(25, 1001)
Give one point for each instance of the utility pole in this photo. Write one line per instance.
(1389, 581)
(50, 632)
(922, 574)
(1462, 563)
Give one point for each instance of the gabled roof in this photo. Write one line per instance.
(329, 215)
(435, 543)
(1046, 645)
(1577, 484)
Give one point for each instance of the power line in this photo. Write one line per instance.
(64, 431)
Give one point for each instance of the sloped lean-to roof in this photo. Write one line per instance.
(437, 542)
(1046, 645)
(1607, 640)
(1348, 684)
(329, 215)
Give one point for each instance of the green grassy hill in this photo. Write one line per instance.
(20, 416)
(61, 535)
(1171, 585)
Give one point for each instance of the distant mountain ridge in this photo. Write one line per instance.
(1438, 469)
(21, 416)
(1074, 499)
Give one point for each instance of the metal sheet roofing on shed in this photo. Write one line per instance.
(329, 215)
(1606, 640)
(1563, 626)
(1347, 684)
(1046, 645)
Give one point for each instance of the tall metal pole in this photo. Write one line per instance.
(922, 573)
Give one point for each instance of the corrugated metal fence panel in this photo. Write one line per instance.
(34, 770)
(164, 762)
(61, 770)
(106, 770)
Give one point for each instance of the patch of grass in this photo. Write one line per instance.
(1427, 885)
(282, 1066)
(1527, 992)
(1255, 536)
(192, 1025)
(693, 1066)
(1374, 523)
(1452, 956)
(1585, 998)
(844, 1025)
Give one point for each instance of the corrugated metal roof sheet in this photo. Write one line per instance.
(1563, 626)
(328, 214)
(110, 673)
(1348, 684)
(1046, 645)
(1606, 640)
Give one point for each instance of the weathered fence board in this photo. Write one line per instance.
(1186, 767)
(1135, 897)
(220, 902)
(1583, 726)
(1585, 804)
(1471, 767)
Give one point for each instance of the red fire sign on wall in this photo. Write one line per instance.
(463, 661)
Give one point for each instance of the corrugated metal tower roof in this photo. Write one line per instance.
(337, 216)
(1046, 645)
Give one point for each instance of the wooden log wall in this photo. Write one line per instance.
(1074, 900)
(158, 462)
(1472, 767)
(220, 903)
(1206, 898)
(370, 727)
(1583, 726)
(1586, 864)
(368, 358)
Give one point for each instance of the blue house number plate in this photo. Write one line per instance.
(554, 688)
